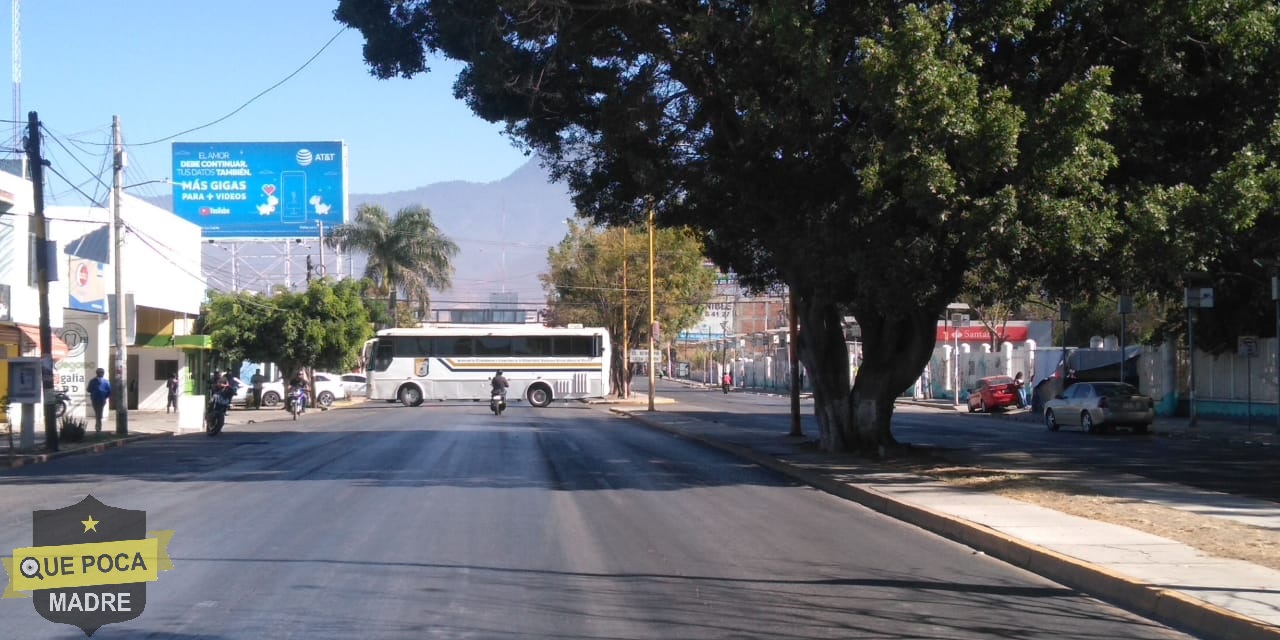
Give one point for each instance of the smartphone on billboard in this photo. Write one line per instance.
(293, 196)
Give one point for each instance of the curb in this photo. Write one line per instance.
(1162, 605)
(21, 460)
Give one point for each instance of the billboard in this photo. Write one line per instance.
(242, 190)
(88, 288)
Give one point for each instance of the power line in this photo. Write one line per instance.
(250, 100)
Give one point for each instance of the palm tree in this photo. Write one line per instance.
(407, 253)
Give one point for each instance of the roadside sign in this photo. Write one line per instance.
(642, 355)
(1247, 346)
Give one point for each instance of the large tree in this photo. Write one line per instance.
(598, 277)
(322, 327)
(870, 155)
(406, 253)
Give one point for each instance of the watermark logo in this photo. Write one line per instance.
(89, 564)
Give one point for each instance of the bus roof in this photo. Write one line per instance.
(490, 330)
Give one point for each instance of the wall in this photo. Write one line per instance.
(161, 265)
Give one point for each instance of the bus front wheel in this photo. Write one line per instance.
(539, 395)
(410, 396)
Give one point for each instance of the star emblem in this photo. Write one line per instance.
(90, 525)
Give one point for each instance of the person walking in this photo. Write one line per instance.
(172, 387)
(99, 392)
(257, 380)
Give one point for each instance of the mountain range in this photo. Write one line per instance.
(503, 230)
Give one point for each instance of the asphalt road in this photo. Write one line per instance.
(445, 521)
(997, 440)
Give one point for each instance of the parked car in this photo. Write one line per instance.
(1096, 406)
(329, 387)
(993, 392)
(355, 384)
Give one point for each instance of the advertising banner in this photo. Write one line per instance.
(88, 288)
(249, 190)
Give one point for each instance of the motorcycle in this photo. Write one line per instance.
(61, 402)
(497, 403)
(297, 401)
(215, 416)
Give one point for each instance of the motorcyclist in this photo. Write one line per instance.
(221, 393)
(299, 383)
(498, 387)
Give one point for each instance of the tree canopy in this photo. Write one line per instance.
(322, 327)
(870, 155)
(586, 284)
(407, 253)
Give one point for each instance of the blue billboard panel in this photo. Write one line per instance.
(260, 189)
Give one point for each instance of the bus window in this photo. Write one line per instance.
(383, 354)
(574, 346)
(531, 346)
(493, 346)
(454, 346)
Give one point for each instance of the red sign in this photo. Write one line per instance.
(980, 333)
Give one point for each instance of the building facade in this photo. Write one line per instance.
(160, 277)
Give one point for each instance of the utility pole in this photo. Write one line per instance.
(235, 266)
(626, 341)
(793, 329)
(322, 268)
(42, 280)
(122, 352)
(1275, 296)
(653, 324)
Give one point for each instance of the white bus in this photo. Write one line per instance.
(456, 362)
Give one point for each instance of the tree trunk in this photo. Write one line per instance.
(895, 351)
(822, 350)
(618, 379)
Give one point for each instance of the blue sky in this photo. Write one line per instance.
(164, 67)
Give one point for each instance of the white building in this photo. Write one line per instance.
(161, 279)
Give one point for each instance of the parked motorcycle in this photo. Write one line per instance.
(61, 402)
(297, 401)
(497, 403)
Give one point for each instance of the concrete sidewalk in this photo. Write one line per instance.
(1152, 576)
(145, 425)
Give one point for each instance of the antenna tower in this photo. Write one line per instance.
(17, 74)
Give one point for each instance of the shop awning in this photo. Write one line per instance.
(30, 337)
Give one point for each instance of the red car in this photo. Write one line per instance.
(993, 392)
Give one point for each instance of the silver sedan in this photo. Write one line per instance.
(1097, 406)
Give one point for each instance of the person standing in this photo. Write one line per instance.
(99, 392)
(257, 380)
(172, 387)
(1020, 387)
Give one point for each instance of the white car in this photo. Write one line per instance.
(329, 387)
(355, 384)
